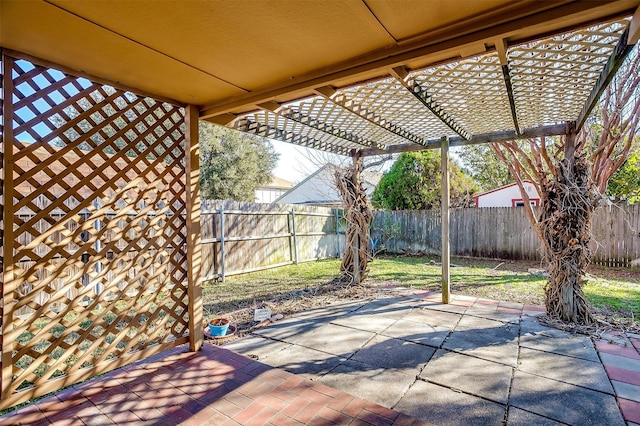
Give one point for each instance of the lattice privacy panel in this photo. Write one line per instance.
(99, 230)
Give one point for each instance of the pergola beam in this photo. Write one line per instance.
(401, 74)
(260, 129)
(314, 123)
(345, 102)
(501, 47)
(537, 132)
(622, 50)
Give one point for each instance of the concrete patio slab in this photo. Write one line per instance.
(537, 336)
(331, 338)
(504, 332)
(455, 309)
(491, 312)
(290, 327)
(469, 374)
(487, 339)
(518, 417)
(390, 307)
(573, 346)
(256, 347)
(336, 309)
(478, 353)
(564, 402)
(434, 317)
(385, 352)
(448, 407)
(306, 362)
(356, 378)
(418, 332)
(566, 369)
(374, 323)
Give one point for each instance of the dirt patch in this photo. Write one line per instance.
(303, 300)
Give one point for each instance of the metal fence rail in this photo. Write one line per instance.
(247, 237)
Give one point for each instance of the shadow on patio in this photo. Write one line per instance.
(212, 386)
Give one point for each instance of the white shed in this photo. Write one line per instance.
(508, 196)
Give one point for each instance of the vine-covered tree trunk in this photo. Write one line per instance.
(568, 200)
(358, 214)
(571, 176)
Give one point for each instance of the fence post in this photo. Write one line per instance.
(293, 234)
(337, 233)
(222, 243)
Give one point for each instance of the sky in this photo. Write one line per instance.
(296, 162)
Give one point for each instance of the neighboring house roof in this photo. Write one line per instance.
(319, 188)
(507, 195)
(270, 192)
(277, 183)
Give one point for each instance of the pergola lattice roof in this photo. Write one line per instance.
(535, 87)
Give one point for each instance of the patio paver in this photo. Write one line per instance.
(386, 352)
(518, 417)
(356, 378)
(577, 371)
(448, 407)
(564, 402)
(475, 376)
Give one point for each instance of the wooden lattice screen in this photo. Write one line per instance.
(95, 230)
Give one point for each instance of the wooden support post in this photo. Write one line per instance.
(8, 278)
(444, 154)
(194, 236)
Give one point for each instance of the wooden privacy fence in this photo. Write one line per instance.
(246, 237)
(506, 233)
(100, 229)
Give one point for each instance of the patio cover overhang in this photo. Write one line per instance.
(371, 76)
(358, 77)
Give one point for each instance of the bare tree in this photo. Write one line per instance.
(571, 175)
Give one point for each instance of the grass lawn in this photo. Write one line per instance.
(615, 289)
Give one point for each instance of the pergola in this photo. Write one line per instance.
(100, 107)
